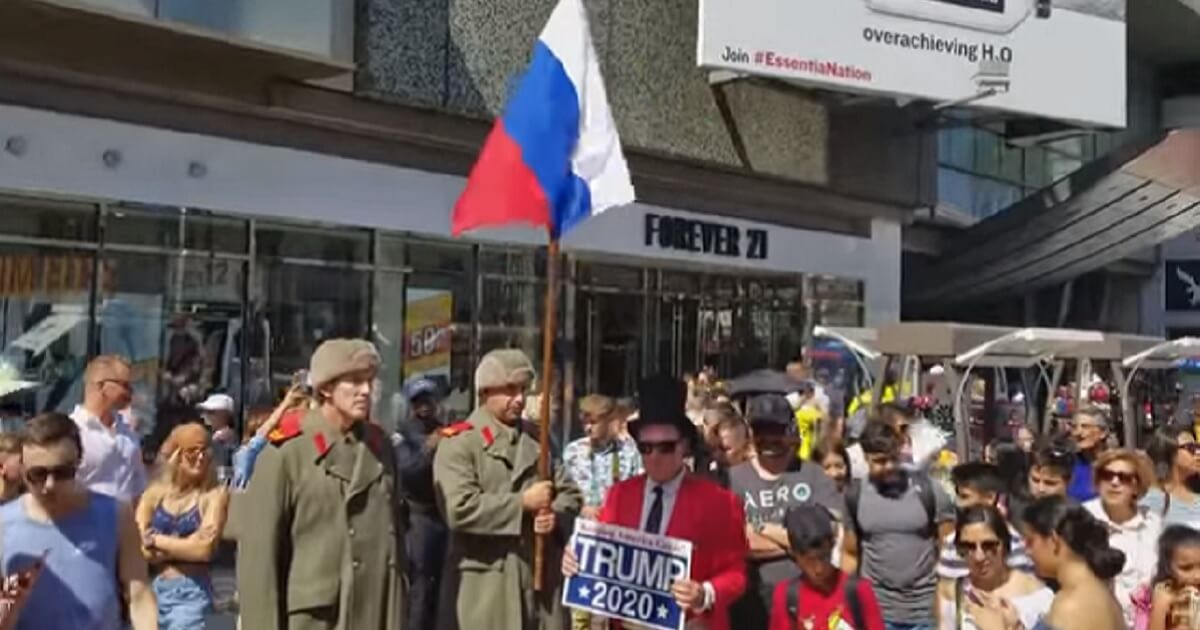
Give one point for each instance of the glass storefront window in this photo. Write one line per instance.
(44, 297)
(300, 306)
(44, 219)
(439, 321)
(325, 244)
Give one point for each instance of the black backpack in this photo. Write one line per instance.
(852, 601)
(924, 487)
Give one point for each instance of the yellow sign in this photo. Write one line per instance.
(427, 321)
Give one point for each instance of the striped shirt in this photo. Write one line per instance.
(952, 566)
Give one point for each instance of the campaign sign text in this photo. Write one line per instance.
(627, 574)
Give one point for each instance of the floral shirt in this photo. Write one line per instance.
(595, 471)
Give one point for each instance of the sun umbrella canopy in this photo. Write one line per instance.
(764, 382)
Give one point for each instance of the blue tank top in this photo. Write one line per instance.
(178, 525)
(78, 588)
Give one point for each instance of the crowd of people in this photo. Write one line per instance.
(797, 519)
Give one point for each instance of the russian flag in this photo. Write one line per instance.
(553, 158)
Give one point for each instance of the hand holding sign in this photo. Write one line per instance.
(630, 575)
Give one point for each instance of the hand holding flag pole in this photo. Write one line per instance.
(552, 160)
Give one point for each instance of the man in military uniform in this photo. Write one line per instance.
(322, 547)
(485, 472)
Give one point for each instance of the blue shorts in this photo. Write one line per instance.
(183, 602)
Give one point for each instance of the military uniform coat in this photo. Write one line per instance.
(480, 472)
(321, 540)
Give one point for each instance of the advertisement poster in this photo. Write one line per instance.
(1062, 59)
(626, 574)
(427, 320)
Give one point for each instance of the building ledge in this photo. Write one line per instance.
(91, 39)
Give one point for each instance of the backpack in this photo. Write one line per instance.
(852, 602)
(924, 487)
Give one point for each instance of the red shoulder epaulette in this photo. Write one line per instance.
(288, 427)
(456, 429)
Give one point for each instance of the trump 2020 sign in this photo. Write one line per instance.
(627, 574)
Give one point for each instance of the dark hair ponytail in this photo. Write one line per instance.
(1085, 535)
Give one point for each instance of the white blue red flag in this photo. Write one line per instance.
(553, 158)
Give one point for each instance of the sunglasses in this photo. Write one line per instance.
(194, 454)
(988, 547)
(37, 475)
(665, 447)
(1190, 447)
(1116, 476)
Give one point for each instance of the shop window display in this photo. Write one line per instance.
(44, 295)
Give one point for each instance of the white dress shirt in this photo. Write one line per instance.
(112, 457)
(670, 491)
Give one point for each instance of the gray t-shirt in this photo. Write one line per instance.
(766, 501)
(899, 552)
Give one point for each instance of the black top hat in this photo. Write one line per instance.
(662, 400)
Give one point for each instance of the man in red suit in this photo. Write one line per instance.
(669, 500)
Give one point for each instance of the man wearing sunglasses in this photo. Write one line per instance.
(112, 453)
(669, 500)
(86, 542)
(485, 472)
(768, 486)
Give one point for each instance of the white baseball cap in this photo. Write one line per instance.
(217, 402)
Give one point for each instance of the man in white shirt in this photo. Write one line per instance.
(112, 454)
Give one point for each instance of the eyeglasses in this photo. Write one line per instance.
(665, 447)
(1190, 447)
(37, 475)
(988, 547)
(1116, 476)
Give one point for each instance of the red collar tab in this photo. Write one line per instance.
(488, 436)
(321, 444)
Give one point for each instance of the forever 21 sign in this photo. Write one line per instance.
(705, 237)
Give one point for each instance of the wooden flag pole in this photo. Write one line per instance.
(548, 334)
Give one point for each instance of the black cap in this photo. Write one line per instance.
(771, 409)
(808, 526)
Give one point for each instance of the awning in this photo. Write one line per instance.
(861, 341)
(1164, 355)
(1133, 199)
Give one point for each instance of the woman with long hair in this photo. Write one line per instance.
(181, 516)
(1174, 452)
(982, 538)
(1070, 546)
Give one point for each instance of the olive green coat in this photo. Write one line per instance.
(320, 539)
(488, 577)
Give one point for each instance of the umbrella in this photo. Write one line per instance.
(764, 382)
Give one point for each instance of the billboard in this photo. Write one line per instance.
(1064, 59)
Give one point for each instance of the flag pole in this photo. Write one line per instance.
(548, 333)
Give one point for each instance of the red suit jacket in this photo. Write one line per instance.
(711, 518)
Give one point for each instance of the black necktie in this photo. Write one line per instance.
(654, 521)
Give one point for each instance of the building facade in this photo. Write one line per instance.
(213, 191)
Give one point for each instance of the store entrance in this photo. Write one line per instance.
(612, 341)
